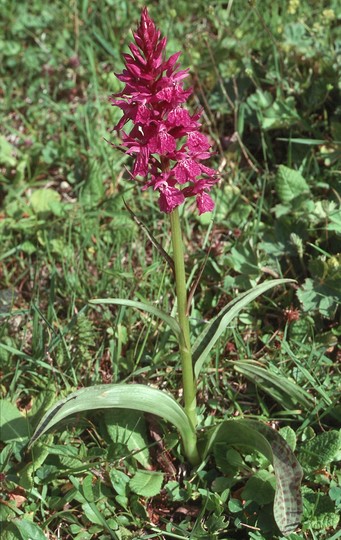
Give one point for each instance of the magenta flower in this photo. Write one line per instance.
(165, 138)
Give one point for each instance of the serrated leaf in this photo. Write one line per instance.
(259, 437)
(13, 425)
(289, 184)
(129, 428)
(146, 483)
(320, 510)
(215, 328)
(122, 396)
(323, 296)
(321, 450)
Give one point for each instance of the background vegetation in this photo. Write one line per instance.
(267, 75)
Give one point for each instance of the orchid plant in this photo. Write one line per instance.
(169, 153)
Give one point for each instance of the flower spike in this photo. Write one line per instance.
(165, 138)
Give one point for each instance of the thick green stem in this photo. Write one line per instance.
(189, 386)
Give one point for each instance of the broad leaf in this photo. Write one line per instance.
(146, 483)
(281, 389)
(212, 332)
(29, 530)
(259, 437)
(129, 428)
(13, 425)
(321, 450)
(121, 396)
(289, 184)
(260, 488)
(46, 200)
(172, 323)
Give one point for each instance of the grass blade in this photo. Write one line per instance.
(151, 237)
(212, 332)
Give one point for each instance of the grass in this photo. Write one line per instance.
(266, 74)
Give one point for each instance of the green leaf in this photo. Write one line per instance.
(260, 488)
(289, 184)
(320, 511)
(7, 153)
(289, 436)
(123, 396)
(281, 114)
(39, 454)
(129, 428)
(28, 530)
(13, 425)
(244, 260)
(146, 483)
(171, 321)
(212, 332)
(322, 295)
(321, 450)
(93, 189)
(10, 532)
(92, 513)
(235, 506)
(119, 481)
(43, 400)
(259, 437)
(45, 200)
(281, 389)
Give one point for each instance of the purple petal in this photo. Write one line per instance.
(204, 203)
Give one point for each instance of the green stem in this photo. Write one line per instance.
(189, 386)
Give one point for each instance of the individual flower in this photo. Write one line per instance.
(164, 137)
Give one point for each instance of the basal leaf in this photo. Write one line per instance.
(146, 483)
(212, 332)
(259, 437)
(122, 396)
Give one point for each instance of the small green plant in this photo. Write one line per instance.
(169, 151)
